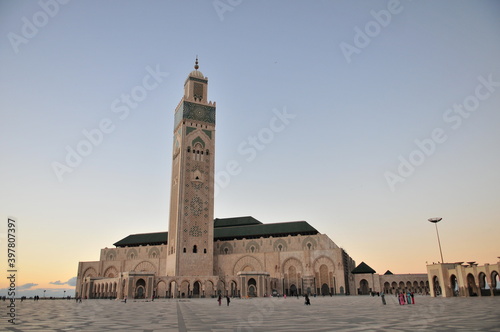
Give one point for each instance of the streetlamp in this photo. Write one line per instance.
(44, 293)
(64, 294)
(435, 221)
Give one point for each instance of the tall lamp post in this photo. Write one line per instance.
(435, 221)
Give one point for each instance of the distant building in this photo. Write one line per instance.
(459, 279)
(367, 281)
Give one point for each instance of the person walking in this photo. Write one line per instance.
(383, 298)
(412, 298)
(220, 299)
(307, 302)
(228, 300)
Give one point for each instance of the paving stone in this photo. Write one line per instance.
(338, 313)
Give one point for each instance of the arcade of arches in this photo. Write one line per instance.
(459, 279)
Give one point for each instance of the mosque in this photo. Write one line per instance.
(201, 256)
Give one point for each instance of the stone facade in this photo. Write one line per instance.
(292, 265)
(459, 279)
(192, 187)
(392, 283)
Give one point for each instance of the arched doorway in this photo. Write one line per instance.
(293, 290)
(495, 283)
(363, 287)
(123, 294)
(454, 285)
(234, 289)
(394, 288)
(140, 289)
(221, 286)
(196, 289)
(325, 290)
(252, 288)
(436, 286)
(161, 289)
(471, 285)
(387, 288)
(483, 285)
(209, 289)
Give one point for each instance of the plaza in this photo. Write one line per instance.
(337, 313)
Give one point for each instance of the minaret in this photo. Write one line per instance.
(191, 231)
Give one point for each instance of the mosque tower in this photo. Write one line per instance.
(191, 229)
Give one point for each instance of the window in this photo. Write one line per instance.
(195, 249)
(205, 251)
(184, 250)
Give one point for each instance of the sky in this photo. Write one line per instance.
(363, 118)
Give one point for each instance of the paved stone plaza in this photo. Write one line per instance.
(350, 313)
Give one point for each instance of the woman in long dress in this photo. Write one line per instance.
(401, 299)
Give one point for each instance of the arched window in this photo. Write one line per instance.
(205, 251)
(184, 250)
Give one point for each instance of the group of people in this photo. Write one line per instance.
(220, 300)
(408, 298)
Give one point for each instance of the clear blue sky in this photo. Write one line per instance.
(363, 81)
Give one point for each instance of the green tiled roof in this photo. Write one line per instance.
(228, 229)
(388, 272)
(238, 221)
(362, 268)
(151, 239)
(264, 230)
